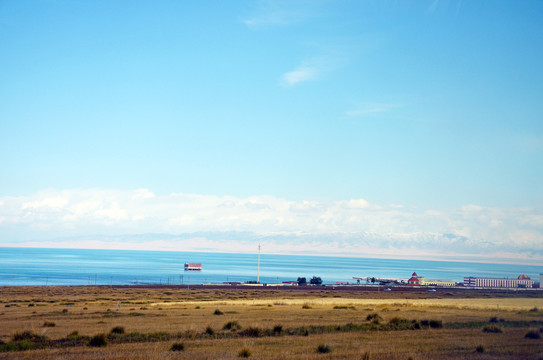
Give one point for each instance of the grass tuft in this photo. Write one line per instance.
(436, 324)
(177, 347)
(480, 349)
(495, 319)
(49, 324)
(209, 331)
(307, 306)
(251, 332)
(218, 312)
(74, 335)
(18, 346)
(366, 356)
(532, 334)
(244, 353)
(323, 349)
(27, 335)
(98, 340)
(117, 330)
(492, 329)
(232, 325)
(374, 316)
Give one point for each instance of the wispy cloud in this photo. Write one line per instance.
(279, 13)
(301, 74)
(314, 68)
(433, 6)
(372, 109)
(100, 218)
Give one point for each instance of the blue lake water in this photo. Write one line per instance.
(38, 266)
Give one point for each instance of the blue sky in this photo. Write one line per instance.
(424, 110)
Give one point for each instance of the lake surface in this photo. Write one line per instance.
(38, 266)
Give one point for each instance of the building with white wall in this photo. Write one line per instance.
(523, 281)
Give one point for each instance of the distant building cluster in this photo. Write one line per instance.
(523, 281)
(416, 280)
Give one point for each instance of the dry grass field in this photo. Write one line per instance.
(179, 323)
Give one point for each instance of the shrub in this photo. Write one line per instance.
(64, 311)
(31, 304)
(232, 325)
(306, 306)
(177, 347)
(373, 316)
(278, 329)
(245, 353)
(18, 346)
(251, 332)
(535, 309)
(117, 330)
(480, 349)
(210, 331)
(366, 356)
(492, 329)
(27, 335)
(495, 319)
(323, 349)
(532, 334)
(73, 335)
(218, 312)
(49, 324)
(436, 324)
(397, 320)
(98, 340)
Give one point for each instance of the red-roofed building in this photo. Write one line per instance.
(414, 280)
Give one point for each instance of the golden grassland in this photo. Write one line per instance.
(60, 322)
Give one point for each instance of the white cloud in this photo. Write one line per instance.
(279, 13)
(346, 227)
(369, 109)
(143, 194)
(298, 75)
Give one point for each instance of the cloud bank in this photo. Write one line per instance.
(140, 219)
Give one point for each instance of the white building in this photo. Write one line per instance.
(523, 281)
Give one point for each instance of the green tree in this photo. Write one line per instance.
(316, 280)
(302, 281)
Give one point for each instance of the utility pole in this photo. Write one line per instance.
(258, 271)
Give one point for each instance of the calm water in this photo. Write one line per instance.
(29, 266)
